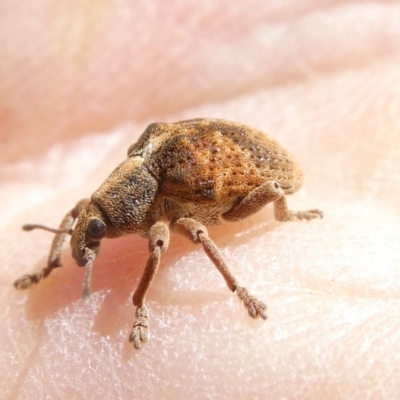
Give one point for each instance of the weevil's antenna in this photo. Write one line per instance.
(88, 275)
(31, 227)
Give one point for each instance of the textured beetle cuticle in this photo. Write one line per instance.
(190, 174)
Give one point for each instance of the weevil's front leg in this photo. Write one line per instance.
(197, 233)
(264, 194)
(158, 244)
(54, 260)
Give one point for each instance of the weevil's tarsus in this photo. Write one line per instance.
(26, 281)
(140, 329)
(309, 214)
(255, 307)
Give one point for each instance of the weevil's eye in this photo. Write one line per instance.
(96, 229)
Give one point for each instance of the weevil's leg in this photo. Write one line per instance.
(264, 194)
(54, 260)
(282, 212)
(90, 256)
(197, 233)
(158, 244)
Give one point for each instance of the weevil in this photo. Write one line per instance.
(182, 177)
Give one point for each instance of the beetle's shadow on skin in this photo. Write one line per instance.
(119, 267)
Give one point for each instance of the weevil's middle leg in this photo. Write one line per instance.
(158, 244)
(197, 233)
(54, 260)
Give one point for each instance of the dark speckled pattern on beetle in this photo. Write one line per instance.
(189, 174)
(213, 160)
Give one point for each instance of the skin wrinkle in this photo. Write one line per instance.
(331, 287)
(259, 70)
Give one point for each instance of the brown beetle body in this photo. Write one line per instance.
(190, 173)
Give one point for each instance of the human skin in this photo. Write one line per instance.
(80, 82)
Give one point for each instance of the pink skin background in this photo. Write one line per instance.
(80, 80)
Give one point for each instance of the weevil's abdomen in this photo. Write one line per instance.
(211, 160)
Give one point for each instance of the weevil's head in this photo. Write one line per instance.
(124, 204)
(90, 228)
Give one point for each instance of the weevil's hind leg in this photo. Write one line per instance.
(54, 260)
(158, 244)
(197, 233)
(264, 194)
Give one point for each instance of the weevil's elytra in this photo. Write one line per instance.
(191, 174)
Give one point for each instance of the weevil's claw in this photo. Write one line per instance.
(254, 306)
(140, 329)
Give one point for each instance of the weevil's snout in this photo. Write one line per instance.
(85, 239)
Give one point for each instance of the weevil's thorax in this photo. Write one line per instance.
(127, 199)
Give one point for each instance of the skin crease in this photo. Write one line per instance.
(80, 82)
